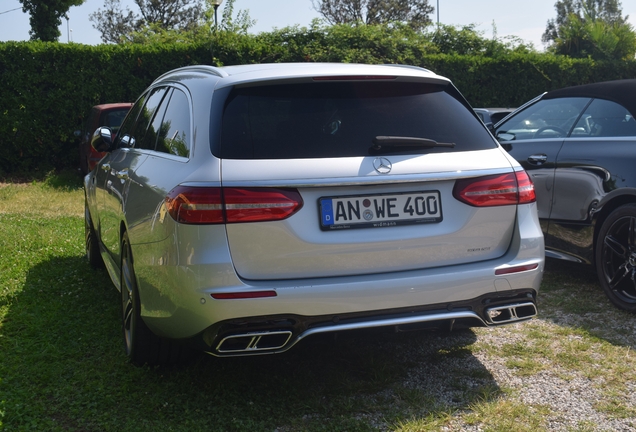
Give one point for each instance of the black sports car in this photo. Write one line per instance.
(579, 146)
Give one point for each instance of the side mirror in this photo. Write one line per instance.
(504, 136)
(102, 140)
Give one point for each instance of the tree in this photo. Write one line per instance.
(414, 12)
(117, 25)
(605, 10)
(46, 17)
(590, 28)
(202, 31)
(466, 40)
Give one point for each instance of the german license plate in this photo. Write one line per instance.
(375, 211)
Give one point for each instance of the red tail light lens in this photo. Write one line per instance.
(496, 190)
(252, 205)
(201, 205)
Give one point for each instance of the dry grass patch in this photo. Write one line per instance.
(58, 195)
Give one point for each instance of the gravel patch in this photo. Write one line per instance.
(573, 401)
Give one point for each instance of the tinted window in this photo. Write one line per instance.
(548, 118)
(604, 118)
(342, 119)
(174, 136)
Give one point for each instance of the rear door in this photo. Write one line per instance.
(118, 170)
(368, 206)
(593, 162)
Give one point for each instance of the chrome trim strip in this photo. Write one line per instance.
(562, 256)
(390, 322)
(354, 181)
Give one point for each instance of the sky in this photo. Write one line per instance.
(521, 18)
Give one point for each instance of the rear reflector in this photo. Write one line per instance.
(202, 205)
(516, 269)
(496, 190)
(243, 295)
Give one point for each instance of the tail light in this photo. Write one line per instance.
(202, 205)
(496, 190)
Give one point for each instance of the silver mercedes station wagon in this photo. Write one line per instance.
(242, 209)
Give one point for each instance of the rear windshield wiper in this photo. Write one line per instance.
(388, 143)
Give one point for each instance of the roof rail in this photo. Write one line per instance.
(197, 68)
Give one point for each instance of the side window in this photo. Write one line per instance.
(548, 118)
(604, 118)
(145, 134)
(125, 136)
(174, 134)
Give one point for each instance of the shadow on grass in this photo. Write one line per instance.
(66, 180)
(62, 368)
(572, 296)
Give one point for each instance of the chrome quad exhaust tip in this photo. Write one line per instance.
(254, 342)
(510, 313)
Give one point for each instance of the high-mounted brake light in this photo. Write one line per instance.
(203, 205)
(354, 78)
(496, 190)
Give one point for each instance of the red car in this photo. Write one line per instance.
(110, 115)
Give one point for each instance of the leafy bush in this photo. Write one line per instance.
(49, 88)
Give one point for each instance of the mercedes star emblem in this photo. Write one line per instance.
(382, 165)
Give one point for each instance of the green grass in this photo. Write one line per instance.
(62, 366)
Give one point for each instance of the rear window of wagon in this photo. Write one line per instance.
(340, 119)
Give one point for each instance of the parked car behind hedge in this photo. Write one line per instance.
(579, 146)
(242, 209)
(110, 115)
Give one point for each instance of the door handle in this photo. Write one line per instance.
(538, 159)
(123, 174)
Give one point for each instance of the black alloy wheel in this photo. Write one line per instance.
(616, 257)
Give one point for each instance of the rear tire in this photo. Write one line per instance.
(616, 257)
(141, 345)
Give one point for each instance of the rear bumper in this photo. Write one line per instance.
(276, 334)
(178, 303)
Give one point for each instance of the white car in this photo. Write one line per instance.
(242, 209)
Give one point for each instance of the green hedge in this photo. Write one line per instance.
(48, 88)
